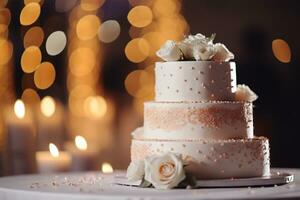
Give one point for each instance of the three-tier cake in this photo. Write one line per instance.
(200, 113)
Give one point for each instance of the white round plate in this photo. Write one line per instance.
(276, 178)
(98, 186)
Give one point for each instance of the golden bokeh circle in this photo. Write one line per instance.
(87, 27)
(44, 75)
(6, 51)
(31, 58)
(30, 96)
(140, 16)
(165, 8)
(3, 3)
(155, 39)
(95, 106)
(34, 37)
(30, 13)
(281, 50)
(137, 83)
(4, 35)
(137, 50)
(82, 61)
(5, 18)
(91, 5)
(33, 1)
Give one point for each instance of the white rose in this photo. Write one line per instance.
(136, 170)
(197, 47)
(244, 93)
(203, 51)
(164, 171)
(222, 53)
(169, 51)
(186, 50)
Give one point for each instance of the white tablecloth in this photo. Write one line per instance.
(94, 185)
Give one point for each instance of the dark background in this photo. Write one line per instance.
(246, 27)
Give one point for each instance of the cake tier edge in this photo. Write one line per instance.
(198, 120)
(214, 159)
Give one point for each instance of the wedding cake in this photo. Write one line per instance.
(201, 122)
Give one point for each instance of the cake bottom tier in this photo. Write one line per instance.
(216, 159)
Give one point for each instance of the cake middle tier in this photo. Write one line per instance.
(195, 81)
(198, 120)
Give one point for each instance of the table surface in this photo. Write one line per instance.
(94, 185)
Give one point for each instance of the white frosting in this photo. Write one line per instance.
(212, 159)
(198, 120)
(195, 81)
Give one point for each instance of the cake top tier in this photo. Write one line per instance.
(195, 47)
(196, 69)
(195, 81)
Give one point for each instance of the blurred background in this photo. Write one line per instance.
(74, 74)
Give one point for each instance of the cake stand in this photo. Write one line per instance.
(95, 185)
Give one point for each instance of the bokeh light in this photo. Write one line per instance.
(5, 18)
(56, 42)
(80, 142)
(19, 109)
(281, 50)
(4, 35)
(140, 16)
(34, 37)
(109, 31)
(133, 81)
(36, 1)
(155, 39)
(6, 50)
(31, 58)
(106, 168)
(30, 13)
(137, 50)
(77, 97)
(44, 75)
(64, 5)
(30, 96)
(87, 27)
(91, 5)
(82, 61)
(53, 150)
(47, 106)
(165, 8)
(95, 106)
(3, 3)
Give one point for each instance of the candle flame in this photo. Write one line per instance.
(48, 106)
(19, 109)
(80, 142)
(107, 168)
(53, 150)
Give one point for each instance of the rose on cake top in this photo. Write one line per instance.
(244, 93)
(195, 47)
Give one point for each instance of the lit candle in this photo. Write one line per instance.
(53, 160)
(106, 168)
(83, 156)
(20, 145)
(50, 124)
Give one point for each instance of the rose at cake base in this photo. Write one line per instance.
(201, 122)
